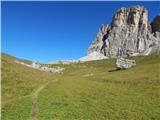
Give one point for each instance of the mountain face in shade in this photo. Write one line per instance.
(156, 24)
(129, 34)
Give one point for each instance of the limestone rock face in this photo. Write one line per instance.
(128, 34)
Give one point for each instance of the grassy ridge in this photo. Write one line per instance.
(11, 58)
(91, 90)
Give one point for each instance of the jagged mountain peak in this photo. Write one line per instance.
(129, 33)
(132, 16)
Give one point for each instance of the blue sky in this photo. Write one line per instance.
(48, 31)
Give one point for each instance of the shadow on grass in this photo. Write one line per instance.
(116, 69)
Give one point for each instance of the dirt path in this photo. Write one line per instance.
(34, 100)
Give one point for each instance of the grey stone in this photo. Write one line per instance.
(125, 63)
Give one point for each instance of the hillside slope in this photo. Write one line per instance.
(18, 84)
(90, 90)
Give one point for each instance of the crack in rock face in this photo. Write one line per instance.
(128, 34)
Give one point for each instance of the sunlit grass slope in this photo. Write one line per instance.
(95, 90)
(18, 83)
(85, 91)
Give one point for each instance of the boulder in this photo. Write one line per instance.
(125, 63)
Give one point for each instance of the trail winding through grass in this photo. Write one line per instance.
(34, 100)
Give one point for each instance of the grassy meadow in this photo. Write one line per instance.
(85, 91)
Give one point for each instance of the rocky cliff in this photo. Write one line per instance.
(128, 34)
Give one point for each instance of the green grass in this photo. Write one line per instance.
(17, 110)
(85, 91)
(18, 84)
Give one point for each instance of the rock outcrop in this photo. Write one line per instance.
(128, 34)
(38, 66)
